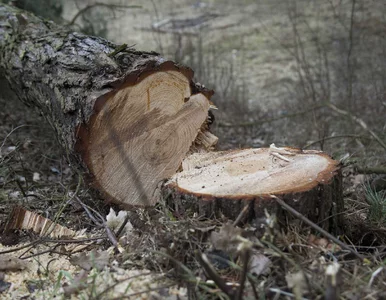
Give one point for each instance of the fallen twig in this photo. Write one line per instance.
(91, 6)
(245, 258)
(371, 170)
(316, 227)
(242, 214)
(102, 223)
(45, 240)
(212, 274)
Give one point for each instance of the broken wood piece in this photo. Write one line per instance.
(23, 219)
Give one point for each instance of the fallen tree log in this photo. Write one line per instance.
(131, 120)
(127, 117)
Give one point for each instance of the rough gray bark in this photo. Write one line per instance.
(63, 73)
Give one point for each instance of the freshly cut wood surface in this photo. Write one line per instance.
(142, 134)
(253, 172)
(223, 183)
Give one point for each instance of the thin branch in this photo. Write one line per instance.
(349, 52)
(9, 134)
(371, 170)
(21, 247)
(241, 215)
(247, 124)
(110, 234)
(91, 6)
(51, 251)
(245, 258)
(353, 136)
(212, 274)
(358, 121)
(45, 240)
(123, 225)
(316, 227)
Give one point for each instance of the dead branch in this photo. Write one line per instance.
(99, 4)
(353, 136)
(316, 227)
(212, 274)
(371, 170)
(249, 124)
(358, 121)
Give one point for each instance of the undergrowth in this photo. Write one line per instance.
(300, 262)
(377, 205)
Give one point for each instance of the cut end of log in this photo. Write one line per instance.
(250, 173)
(142, 133)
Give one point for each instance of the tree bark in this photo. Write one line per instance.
(130, 120)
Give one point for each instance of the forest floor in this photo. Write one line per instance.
(157, 255)
(252, 55)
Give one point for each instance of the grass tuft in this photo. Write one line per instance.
(377, 205)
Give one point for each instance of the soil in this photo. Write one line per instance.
(252, 44)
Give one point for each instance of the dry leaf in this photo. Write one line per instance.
(259, 264)
(10, 263)
(94, 259)
(225, 239)
(323, 243)
(79, 283)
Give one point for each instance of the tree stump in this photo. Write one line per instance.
(131, 120)
(222, 183)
